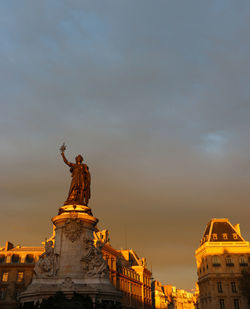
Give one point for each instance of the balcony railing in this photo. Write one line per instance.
(216, 264)
(243, 264)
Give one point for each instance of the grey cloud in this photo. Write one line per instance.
(142, 90)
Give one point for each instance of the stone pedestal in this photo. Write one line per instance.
(72, 261)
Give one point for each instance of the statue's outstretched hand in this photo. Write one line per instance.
(63, 147)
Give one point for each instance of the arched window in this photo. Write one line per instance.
(235, 236)
(2, 258)
(15, 258)
(215, 237)
(29, 258)
(224, 235)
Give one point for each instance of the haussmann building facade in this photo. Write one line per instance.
(221, 257)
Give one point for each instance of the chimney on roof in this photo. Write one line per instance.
(8, 245)
(237, 228)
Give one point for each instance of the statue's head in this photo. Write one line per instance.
(79, 159)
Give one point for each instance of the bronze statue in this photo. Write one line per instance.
(79, 192)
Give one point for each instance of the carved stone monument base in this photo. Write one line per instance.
(75, 208)
(72, 261)
(100, 289)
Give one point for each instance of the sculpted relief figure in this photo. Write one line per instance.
(94, 265)
(47, 264)
(73, 229)
(101, 237)
(79, 191)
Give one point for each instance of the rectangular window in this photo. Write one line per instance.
(2, 294)
(20, 276)
(219, 287)
(233, 286)
(229, 261)
(216, 261)
(222, 304)
(236, 304)
(5, 277)
(243, 261)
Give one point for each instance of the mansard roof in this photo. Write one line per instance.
(221, 230)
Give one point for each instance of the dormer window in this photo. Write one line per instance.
(15, 258)
(224, 235)
(235, 236)
(214, 235)
(30, 258)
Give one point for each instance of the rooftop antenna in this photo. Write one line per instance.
(125, 236)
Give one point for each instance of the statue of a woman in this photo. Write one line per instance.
(48, 262)
(79, 192)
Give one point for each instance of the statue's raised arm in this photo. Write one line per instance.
(62, 149)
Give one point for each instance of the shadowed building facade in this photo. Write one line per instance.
(222, 255)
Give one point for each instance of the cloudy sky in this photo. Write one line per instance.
(154, 94)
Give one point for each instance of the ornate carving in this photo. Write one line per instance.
(73, 228)
(47, 264)
(101, 236)
(68, 283)
(94, 265)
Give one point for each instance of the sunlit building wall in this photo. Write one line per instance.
(168, 296)
(222, 255)
(159, 298)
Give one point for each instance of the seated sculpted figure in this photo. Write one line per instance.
(46, 265)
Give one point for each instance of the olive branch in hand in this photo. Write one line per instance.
(63, 147)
